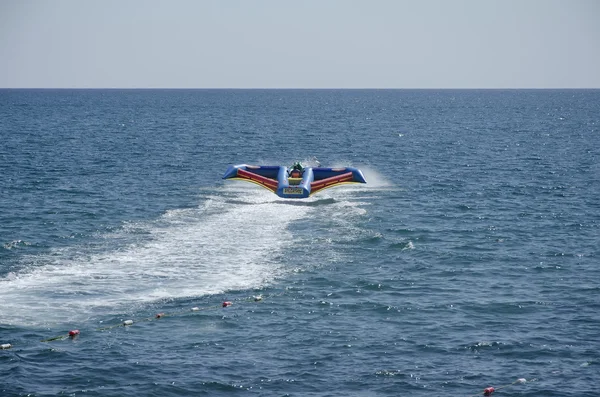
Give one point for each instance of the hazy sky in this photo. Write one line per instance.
(300, 43)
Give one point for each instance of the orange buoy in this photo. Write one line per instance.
(488, 391)
(73, 333)
(227, 303)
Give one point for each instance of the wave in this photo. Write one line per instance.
(15, 244)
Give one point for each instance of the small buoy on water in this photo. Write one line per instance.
(127, 322)
(521, 380)
(159, 315)
(195, 309)
(488, 391)
(5, 346)
(227, 303)
(73, 333)
(258, 298)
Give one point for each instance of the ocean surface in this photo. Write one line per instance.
(470, 259)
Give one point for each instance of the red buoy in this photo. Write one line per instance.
(488, 391)
(73, 333)
(159, 315)
(227, 303)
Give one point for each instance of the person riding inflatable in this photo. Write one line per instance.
(296, 171)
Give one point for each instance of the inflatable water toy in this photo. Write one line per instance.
(296, 181)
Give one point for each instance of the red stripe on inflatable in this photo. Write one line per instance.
(270, 183)
(315, 186)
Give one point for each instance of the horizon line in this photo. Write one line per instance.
(301, 88)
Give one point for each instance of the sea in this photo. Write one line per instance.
(470, 260)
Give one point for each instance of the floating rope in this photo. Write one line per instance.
(125, 323)
(489, 390)
(71, 334)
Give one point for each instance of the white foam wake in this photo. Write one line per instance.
(231, 242)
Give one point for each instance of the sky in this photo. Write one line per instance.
(300, 44)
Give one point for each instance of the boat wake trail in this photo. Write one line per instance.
(217, 247)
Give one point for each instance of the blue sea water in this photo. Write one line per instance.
(470, 259)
